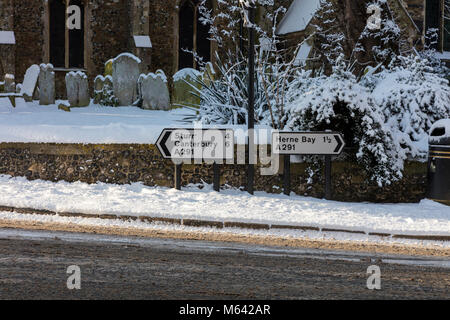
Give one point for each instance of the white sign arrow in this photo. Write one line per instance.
(201, 144)
(307, 143)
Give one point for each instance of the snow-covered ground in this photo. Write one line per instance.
(426, 217)
(30, 122)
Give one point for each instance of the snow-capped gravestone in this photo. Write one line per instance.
(99, 82)
(77, 89)
(125, 75)
(154, 91)
(46, 85)
(28, 90)
(183, 82)
(9, 85)
(103, 92)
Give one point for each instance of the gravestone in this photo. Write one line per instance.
(183, 81)
(209, 74)
(77, 89)
(99, 82)
(125, 77)
(46, 85)
(9, 85)
(30, 82)
(154, 91)
(108, 67)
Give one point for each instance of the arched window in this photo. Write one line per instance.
(58, 33)
(66, 45)
(76, 40)
(193, 35)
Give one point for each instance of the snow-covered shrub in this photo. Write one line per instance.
(340, 103)
(412, 97)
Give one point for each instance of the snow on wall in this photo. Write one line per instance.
(298, 16)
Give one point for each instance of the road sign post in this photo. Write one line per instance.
(185, 144)
(287, 175)
(307, 143)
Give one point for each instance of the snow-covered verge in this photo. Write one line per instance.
(426, 217)
(30, 122)
(270, 235)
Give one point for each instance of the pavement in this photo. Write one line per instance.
(33, 265)
(225, 224)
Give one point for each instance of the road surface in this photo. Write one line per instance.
(33, 265)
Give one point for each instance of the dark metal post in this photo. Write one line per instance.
(177, 176)
(328, 177)
(216, 177)
(241, 36)
(287, 175)
(251, 98)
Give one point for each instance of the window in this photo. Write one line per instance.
(66, 46)
(437, 16)
(193, 35)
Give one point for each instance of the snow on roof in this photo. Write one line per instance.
(142, 41)
(7, 37)
(443, 55)
(298, 16)
(302, 54)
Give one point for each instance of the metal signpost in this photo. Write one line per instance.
(307, 143)
(210, 145)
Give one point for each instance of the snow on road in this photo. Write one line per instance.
(426, 217)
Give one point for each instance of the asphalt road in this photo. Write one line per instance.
(33, 265)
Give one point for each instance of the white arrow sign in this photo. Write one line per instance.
(307, 143)
(201, 144)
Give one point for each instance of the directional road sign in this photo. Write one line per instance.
(307, 143)
(204, 144)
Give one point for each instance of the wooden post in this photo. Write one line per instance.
(216, 177)
(177, 176)
(328, 177)
(287, 175)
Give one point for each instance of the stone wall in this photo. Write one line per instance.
(131, 163)
(7, 64)
(29, 32)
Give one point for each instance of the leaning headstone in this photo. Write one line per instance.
(30, 82)
(9, 85)
(183, 81)
(46, 85)
(125, 77)
(154, 91)
(77, 89)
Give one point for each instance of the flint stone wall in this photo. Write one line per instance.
(127, 163)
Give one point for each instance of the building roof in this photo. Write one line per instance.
(298, 16)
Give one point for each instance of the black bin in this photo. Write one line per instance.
(439, 162)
